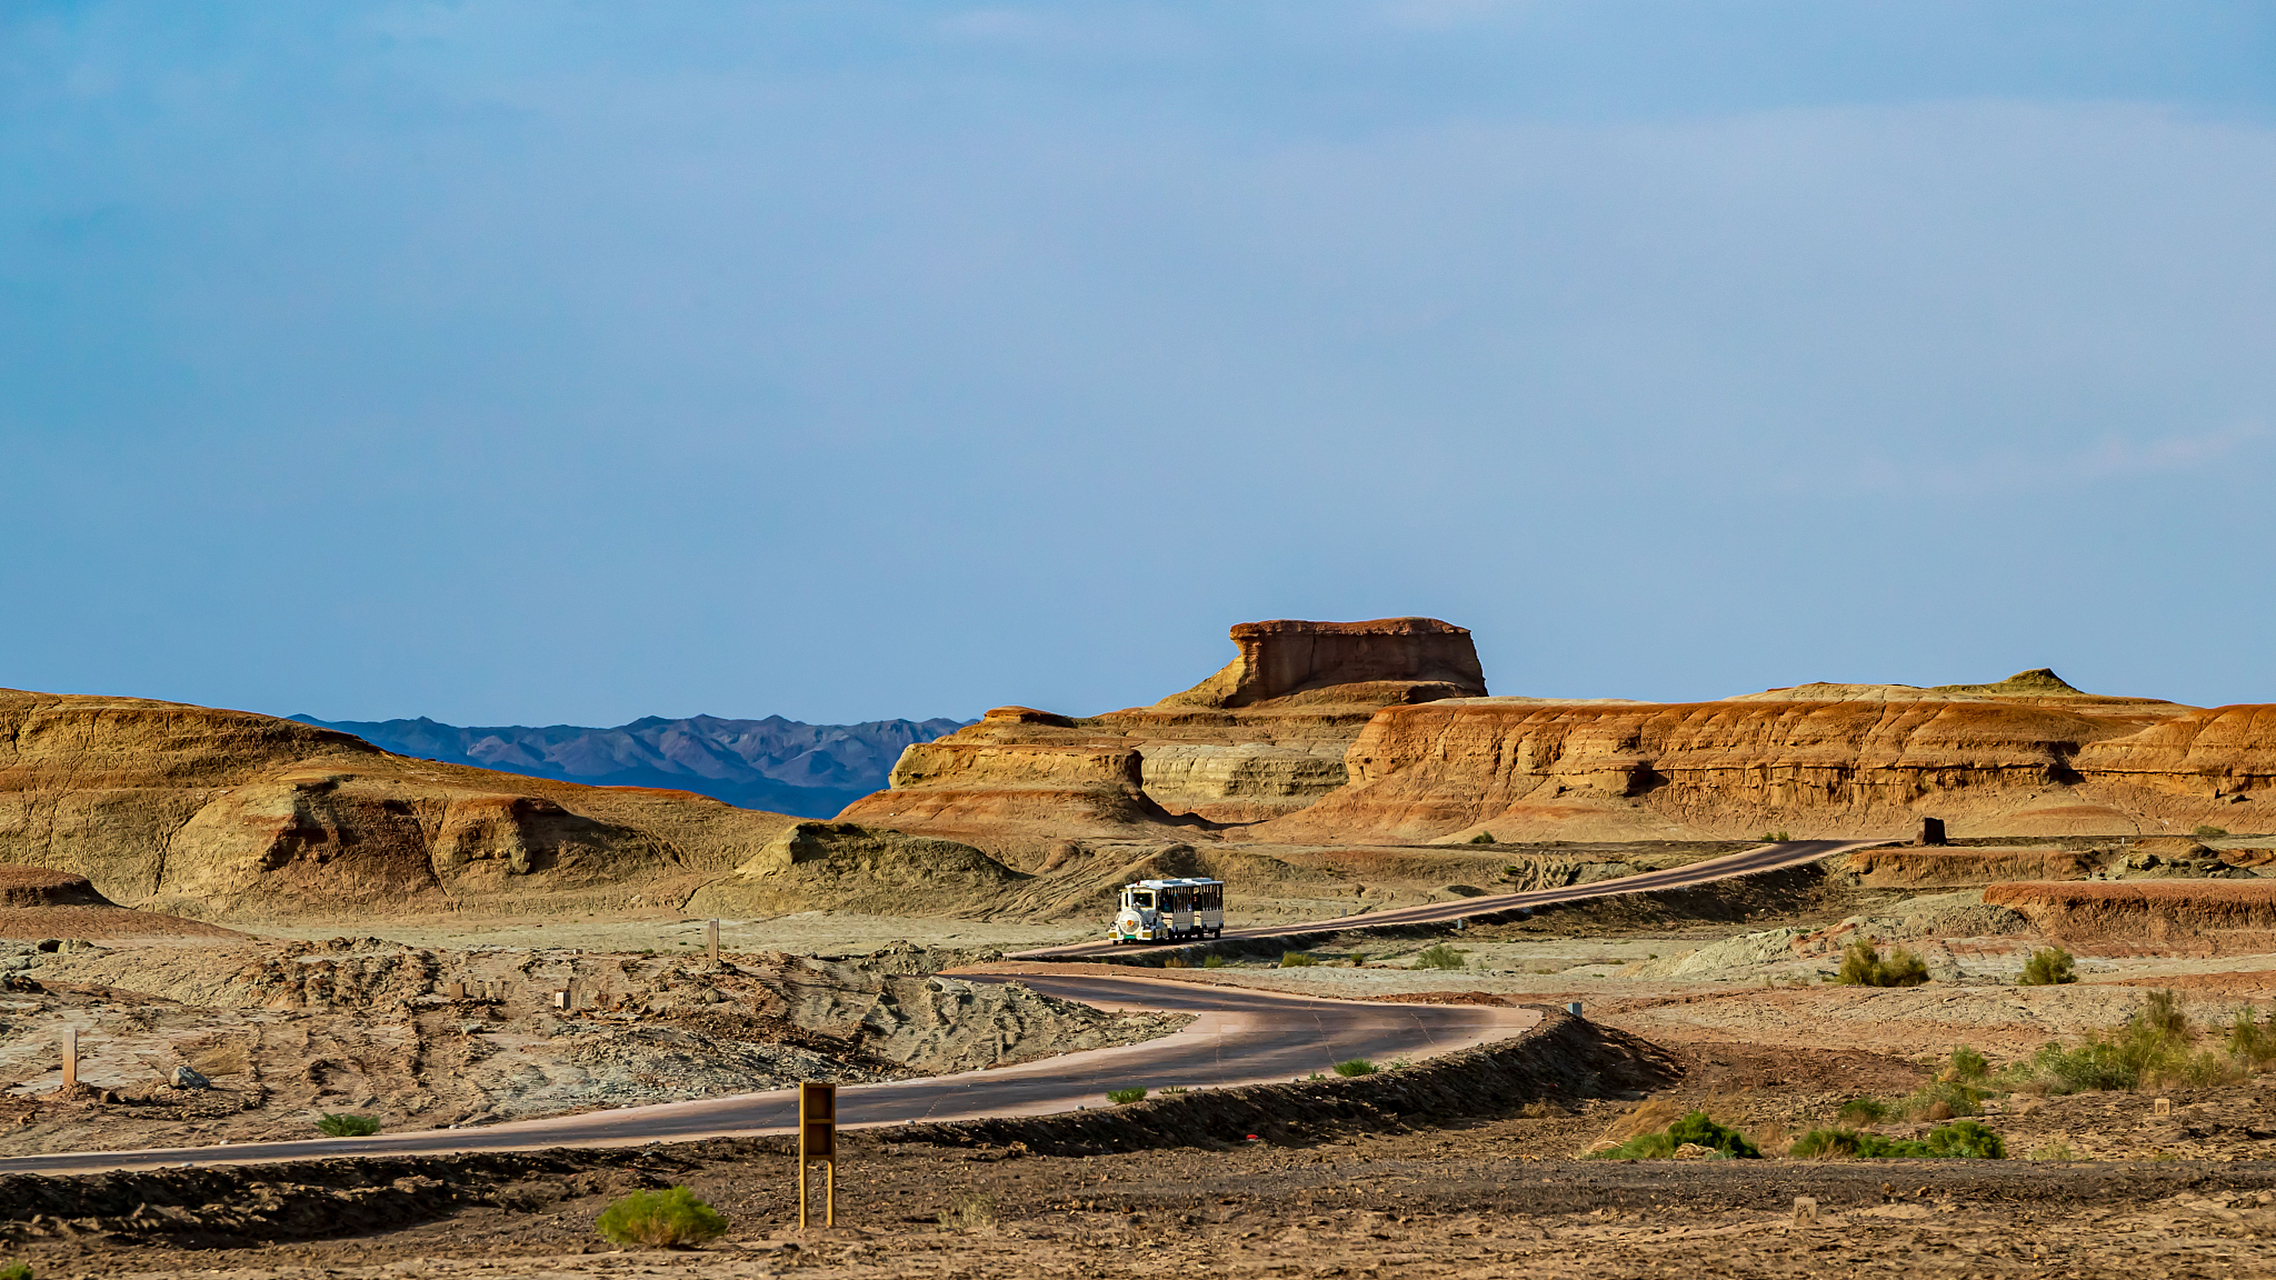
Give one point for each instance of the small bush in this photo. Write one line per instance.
(338, 1126)
(1775, 837)
(2209, 832)
(2151, 1049)
(1355, 1067)
(2165, 1015)
(1440, 956)
(1863, 965)
(2048, 967)
(672, 1219)
(1487, 837)
(1213, 962)
(2250, 1042)
(1863, 1111)
(1135, 1093)
(16, 1271)
(1959, 1140)
(1297, 960)
(1694, 1128)
(1177, 962)
(970, 1213)
(2058, 1151)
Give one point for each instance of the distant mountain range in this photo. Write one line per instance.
(809, 770)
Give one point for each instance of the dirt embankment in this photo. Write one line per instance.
(2212, 917)
(1914, 868)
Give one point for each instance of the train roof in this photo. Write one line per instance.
(1168, 884)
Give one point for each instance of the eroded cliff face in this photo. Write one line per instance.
(1262, 738)
(2012, 759)
(224, 814)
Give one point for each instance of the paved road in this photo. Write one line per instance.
(1238, 1037)
(1769, 857)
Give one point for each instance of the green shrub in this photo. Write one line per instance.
(2250, 1042)
(1694, 1128)
(1863, 1111)
(1297, 960)
(16, 1271)
(2165, 1015)
(2048, 967)
(2058, 1151)
(2151, 1049)
(672, 1219)
(2209, 832)
(1863, 965)
(1959, 1140)
(1177, 962)
(1775, 837)
(1483, 837)
(1440, 956)
(337, 1126)
(1135, 1093)
(1213, 962)
(1355, 1067)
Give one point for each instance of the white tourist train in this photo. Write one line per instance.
(1170, 910)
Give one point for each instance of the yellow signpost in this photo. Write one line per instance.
(818, 1142)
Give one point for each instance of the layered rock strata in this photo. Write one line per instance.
(2023, 758)
(1263, 737)
(226, 814)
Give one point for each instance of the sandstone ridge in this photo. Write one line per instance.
(1380, 732)
(1263, 737)
(232, 815)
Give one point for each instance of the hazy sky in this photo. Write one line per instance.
(554, 362)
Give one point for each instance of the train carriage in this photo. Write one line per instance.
(1170, 911)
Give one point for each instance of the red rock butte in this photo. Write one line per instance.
(1283, 658)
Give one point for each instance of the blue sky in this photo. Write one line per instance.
(569, 363)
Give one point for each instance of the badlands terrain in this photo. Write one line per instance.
(252, 922)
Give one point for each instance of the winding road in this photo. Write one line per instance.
(1238, 1036)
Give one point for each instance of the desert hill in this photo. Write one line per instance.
(785, 766)
(229, 814)
(1381, 732)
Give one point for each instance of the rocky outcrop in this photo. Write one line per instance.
(843, 867)
(1378, 663)
(225, 814)
(1262, 738)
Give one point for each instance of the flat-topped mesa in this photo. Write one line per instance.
(1383, 662)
